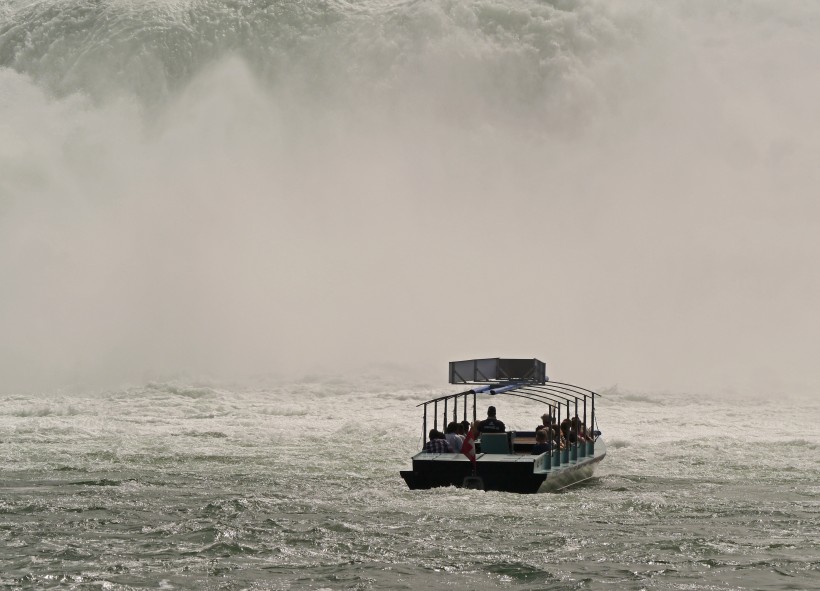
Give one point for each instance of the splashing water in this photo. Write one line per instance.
(297, 486)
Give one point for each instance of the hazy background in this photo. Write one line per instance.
(625, 189)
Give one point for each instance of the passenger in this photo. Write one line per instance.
(453, 438)
(541, 444)
(546, 421)
(563, 434)
(437, 444)
(580, 429)
(491, 424)
(465, 426)
(566, 431)
(555, 437)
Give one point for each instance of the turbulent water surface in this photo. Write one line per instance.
(297, 486)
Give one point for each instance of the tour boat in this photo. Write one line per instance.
(504, 461)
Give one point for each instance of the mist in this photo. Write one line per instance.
(626, 190)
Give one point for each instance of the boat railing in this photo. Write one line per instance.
(563, 401)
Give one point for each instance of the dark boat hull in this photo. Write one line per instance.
(501, 472)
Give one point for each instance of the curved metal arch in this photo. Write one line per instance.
(558, 388)
(549, 398)
(555, 394)
(449, 396)
(576, 387)
(555, 398)
(563, 397)
(564, 390)
(567, 396)
(551, 402)
(529, 397)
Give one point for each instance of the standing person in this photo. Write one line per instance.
(491, 424)
(453, 438)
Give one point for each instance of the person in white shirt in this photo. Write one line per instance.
(454, 439)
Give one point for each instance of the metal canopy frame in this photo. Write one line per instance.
(556, 395)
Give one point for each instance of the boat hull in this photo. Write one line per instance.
(517, 473)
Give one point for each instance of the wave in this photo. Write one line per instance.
(41, 410)
(195, 392)
(204, 434)
(100, 482)
(640, 398)
(813, 445)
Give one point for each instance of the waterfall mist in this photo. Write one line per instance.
(625, 189)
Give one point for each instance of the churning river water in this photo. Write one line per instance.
(297, 486)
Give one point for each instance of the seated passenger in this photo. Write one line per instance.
(491, 424)
(582, 426)
(566, 431)
(560, 437)
(541, 444)
(437, 444)
(453, 438)
(546, 421)
(583, 436)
